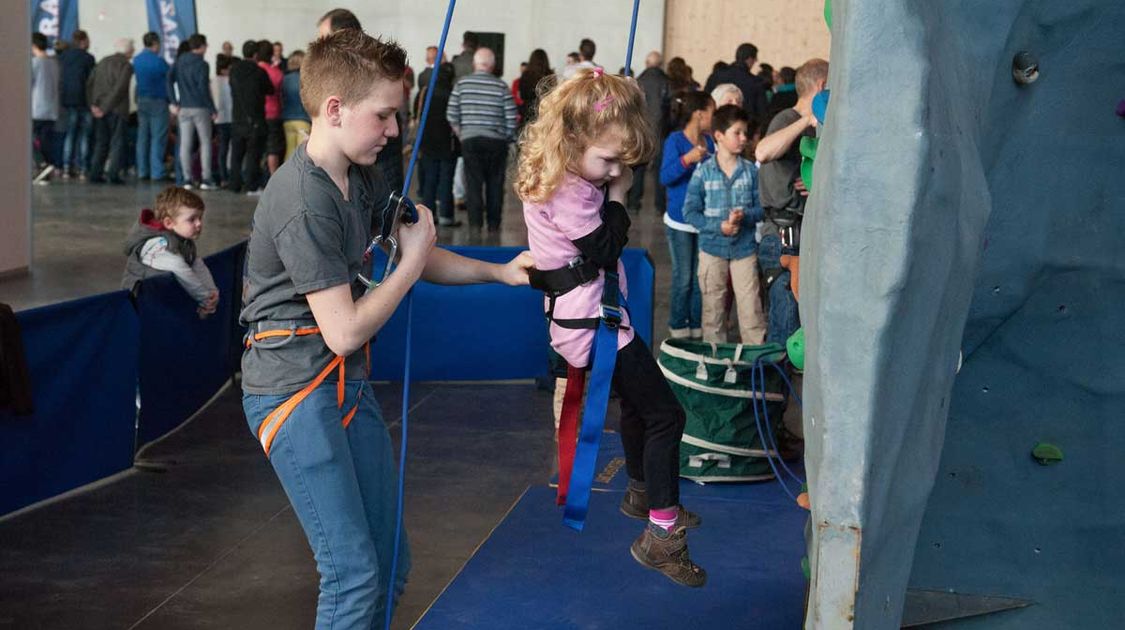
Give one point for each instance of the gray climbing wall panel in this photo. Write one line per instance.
(956, 210)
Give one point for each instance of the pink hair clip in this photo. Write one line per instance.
(602, 104)
(598, 72)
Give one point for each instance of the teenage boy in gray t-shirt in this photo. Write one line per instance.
(305, 369)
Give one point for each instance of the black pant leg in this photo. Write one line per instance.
(237, 156)
(476, 164)
(652, 423)
(497, 165)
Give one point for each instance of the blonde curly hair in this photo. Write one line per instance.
(573, 115)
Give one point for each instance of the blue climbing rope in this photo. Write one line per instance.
(392, 579)
(762, 422)
(632, 36)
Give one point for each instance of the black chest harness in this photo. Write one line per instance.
(579, 271)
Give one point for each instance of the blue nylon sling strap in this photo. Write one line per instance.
(604, 359)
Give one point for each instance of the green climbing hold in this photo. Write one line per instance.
(805, 568)
(828, 13)
(1046, 453)
(795, 346)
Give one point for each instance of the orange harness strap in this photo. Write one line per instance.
(270, 426)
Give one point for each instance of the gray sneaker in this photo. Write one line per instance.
(667, 552)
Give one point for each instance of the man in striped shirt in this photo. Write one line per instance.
(483, 115)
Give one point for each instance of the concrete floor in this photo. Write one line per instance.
(212, 542)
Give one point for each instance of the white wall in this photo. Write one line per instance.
(554, 25)
(15, 163)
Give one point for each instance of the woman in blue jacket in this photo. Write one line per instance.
(683, 150)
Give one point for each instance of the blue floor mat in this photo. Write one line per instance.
(533, 572)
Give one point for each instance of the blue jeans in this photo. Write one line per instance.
(76, 147)
(686, 308)
(437, 185)
(784, 318)
(342, 483)
(152, 137)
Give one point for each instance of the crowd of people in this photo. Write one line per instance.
(230, 129)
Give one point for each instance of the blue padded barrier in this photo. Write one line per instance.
(186, 360)
(82, 361)
(488, 332)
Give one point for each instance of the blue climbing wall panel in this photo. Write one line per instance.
(957, 211)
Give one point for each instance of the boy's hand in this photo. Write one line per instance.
(514, 273)
(416, 240)
(729, 229)
(799, 186)
(736, 216)
(811, 121)
(621, 185)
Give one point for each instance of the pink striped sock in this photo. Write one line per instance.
(665, 518)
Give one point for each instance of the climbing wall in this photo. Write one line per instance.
(958, 211)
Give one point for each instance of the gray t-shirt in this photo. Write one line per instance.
(776, 178)
(44, 88)
(305, 237)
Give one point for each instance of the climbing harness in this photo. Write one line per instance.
(266, 332)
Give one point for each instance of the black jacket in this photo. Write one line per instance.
(249, 85)
(753, 89)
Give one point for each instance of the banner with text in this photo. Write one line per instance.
(57, 19)
(174, 20)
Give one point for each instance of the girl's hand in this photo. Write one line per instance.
(621, 185)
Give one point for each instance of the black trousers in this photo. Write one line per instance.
(486, 159)
(652, 423)
(247, 142)
(109, 143)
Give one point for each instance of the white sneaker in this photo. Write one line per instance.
(254, 193)
(44, 176)
(206, 186)
(187, 186)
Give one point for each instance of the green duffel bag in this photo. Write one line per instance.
(713, 384)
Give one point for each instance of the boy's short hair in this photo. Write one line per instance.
(745, 51)
(296, 59)
(249, 49)
(39, 40)
(340, 19)
(79, 36)
(150, 39)
(788, 74)
(265, 51)
(727, 116)
(171, 199)
(587, 48)
(223, 62)
(197, 41)
(809, 74)
(470, 40)
(346, 64)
